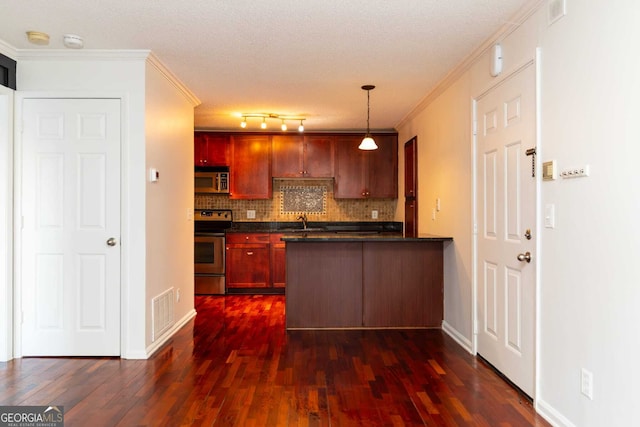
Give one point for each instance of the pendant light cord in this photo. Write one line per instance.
(368, 108)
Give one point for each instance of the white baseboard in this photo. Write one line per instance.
(164, 338)
(550, 414)
(457, 336)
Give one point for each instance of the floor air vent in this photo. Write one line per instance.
(161, 313)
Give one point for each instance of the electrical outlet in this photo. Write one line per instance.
(586, 383)
(374, 214)
(251, 214)
(178, 295)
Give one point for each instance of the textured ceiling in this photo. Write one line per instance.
(296, 57)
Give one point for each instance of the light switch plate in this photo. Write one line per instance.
(251, 214)
(550, 216)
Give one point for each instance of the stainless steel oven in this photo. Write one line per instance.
(209, 252)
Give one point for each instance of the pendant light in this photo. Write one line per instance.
(368, 143)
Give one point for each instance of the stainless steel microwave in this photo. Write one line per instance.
(212, 182)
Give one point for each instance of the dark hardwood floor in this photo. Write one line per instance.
(236, 365)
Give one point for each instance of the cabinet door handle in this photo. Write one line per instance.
(249, 253)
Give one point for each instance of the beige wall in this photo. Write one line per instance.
(157, 129)
(588, 293)
(443, 133)
(269, 210)
(116, 76)
(169, 227)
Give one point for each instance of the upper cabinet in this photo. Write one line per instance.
(298, 156)
(366, 174)
(254, 158)
(250, 167)
(211, 149)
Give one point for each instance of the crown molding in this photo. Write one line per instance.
(509, 27)
(106, 55)
(154, 61)
(82, 54)
(8, 50)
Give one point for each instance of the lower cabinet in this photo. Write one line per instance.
(247, 260)
(278, 261)
(255, 261)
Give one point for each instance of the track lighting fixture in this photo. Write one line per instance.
(264, 116)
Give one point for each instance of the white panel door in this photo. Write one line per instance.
(70, 275)
(506, 228)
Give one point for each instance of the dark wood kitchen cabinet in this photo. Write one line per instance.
(298, 156)
(247, 260)
(278, 261)
(250, 167)
(211, 149)
(366, 174)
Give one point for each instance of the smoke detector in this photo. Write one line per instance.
(73, 41)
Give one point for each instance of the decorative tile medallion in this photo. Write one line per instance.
(307, 199)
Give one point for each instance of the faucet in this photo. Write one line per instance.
(303, 218)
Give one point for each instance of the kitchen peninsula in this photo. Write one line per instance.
(363, 280)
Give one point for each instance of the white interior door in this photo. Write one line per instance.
(70, 181)
(506, 227)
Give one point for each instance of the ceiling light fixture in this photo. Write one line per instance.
(367, 142)
(37, 37)
(264, 116)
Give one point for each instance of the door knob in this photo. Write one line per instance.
(525, 257)
(111, 241)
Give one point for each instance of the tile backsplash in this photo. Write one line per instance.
(316, 195)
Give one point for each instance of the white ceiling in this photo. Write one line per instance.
(296, 57)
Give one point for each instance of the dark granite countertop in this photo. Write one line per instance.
(317, 227)
(360, 237)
